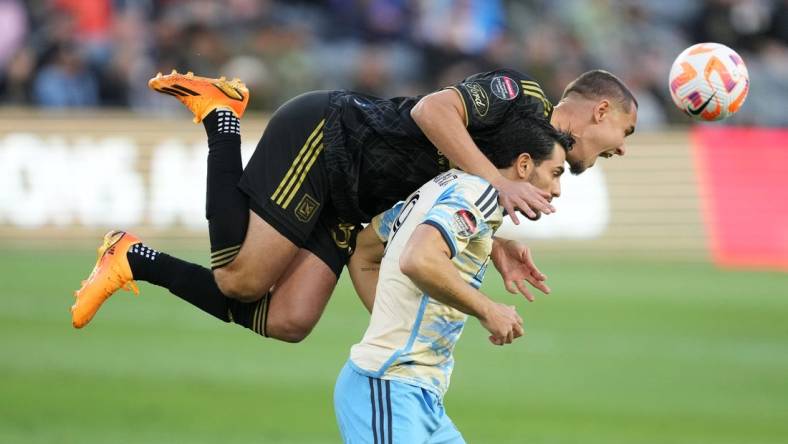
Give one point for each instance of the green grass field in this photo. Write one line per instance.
(622, 352)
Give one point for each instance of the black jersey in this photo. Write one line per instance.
(377, 155)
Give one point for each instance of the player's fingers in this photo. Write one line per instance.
(548, 209)
(495, 340)
(525, 207)
(541, 203)
(540, 285)
(510, 211)
(510, 286)
(531, 265)
(524, 290)
(518, 331)
(545, 194)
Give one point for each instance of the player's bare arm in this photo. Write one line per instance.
(442, 116)
(364, 265)
(426, 260)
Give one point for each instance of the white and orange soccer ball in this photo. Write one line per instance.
(709, 81)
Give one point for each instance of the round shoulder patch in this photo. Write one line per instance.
(464, 223)
(504, 88)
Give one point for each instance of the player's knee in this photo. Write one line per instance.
(291, 329)
(235, 285)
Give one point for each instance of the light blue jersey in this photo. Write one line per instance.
(411, 336)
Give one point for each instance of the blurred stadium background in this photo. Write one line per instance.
(669, 318)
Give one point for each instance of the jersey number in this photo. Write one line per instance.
(402, 216)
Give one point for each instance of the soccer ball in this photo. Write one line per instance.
(709, 81)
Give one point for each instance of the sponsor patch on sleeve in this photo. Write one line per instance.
(464, 223)
(504, 88)
(481, 103)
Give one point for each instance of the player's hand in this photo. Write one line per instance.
(524, 197)
(503, 323)
(513, 260)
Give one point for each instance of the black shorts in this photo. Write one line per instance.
(287, 184)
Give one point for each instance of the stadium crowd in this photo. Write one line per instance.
(77, 53)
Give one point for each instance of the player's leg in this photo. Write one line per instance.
(372, 410)
(123, 258)
(260, 262)
(287, 186)
(301, 295)
(219, 105)
(287, 313)
(299, 298)
(283, 184)
(354, 408)
(446, 432)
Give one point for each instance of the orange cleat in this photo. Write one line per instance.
(111, 273)
(201, 94)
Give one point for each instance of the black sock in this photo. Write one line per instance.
(191, 282)
(226, 208)
(195, 285)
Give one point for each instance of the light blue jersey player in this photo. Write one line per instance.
(438, 248)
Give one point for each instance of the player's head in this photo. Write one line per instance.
(600, 112)
(528, 149)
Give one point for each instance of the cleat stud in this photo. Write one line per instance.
(158, 75)
(190, 74)
(174, 71)
(222, 79)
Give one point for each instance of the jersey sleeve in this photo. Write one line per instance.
(488, 96)
(383, 222)
(461, 215)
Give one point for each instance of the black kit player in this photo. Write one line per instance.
(282, 228)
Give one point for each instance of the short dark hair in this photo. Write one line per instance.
(521, 133)
(600, 84)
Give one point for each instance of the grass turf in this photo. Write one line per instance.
(622, 352)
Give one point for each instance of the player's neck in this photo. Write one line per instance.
(510, 173)
(565, 117)
(560, 118)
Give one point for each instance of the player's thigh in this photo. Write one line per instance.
(373, 410)
(286, 178)
(300, 297)
(446, 433)
(352, 407)
(411, 410)
(287, 187)
(263, 258)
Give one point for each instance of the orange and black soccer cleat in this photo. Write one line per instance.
(201, 94)
(111, 273)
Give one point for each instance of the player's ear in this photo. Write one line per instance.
(601, 110)
(523, 165)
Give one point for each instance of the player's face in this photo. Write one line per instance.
(547, 176)
(603, 137)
